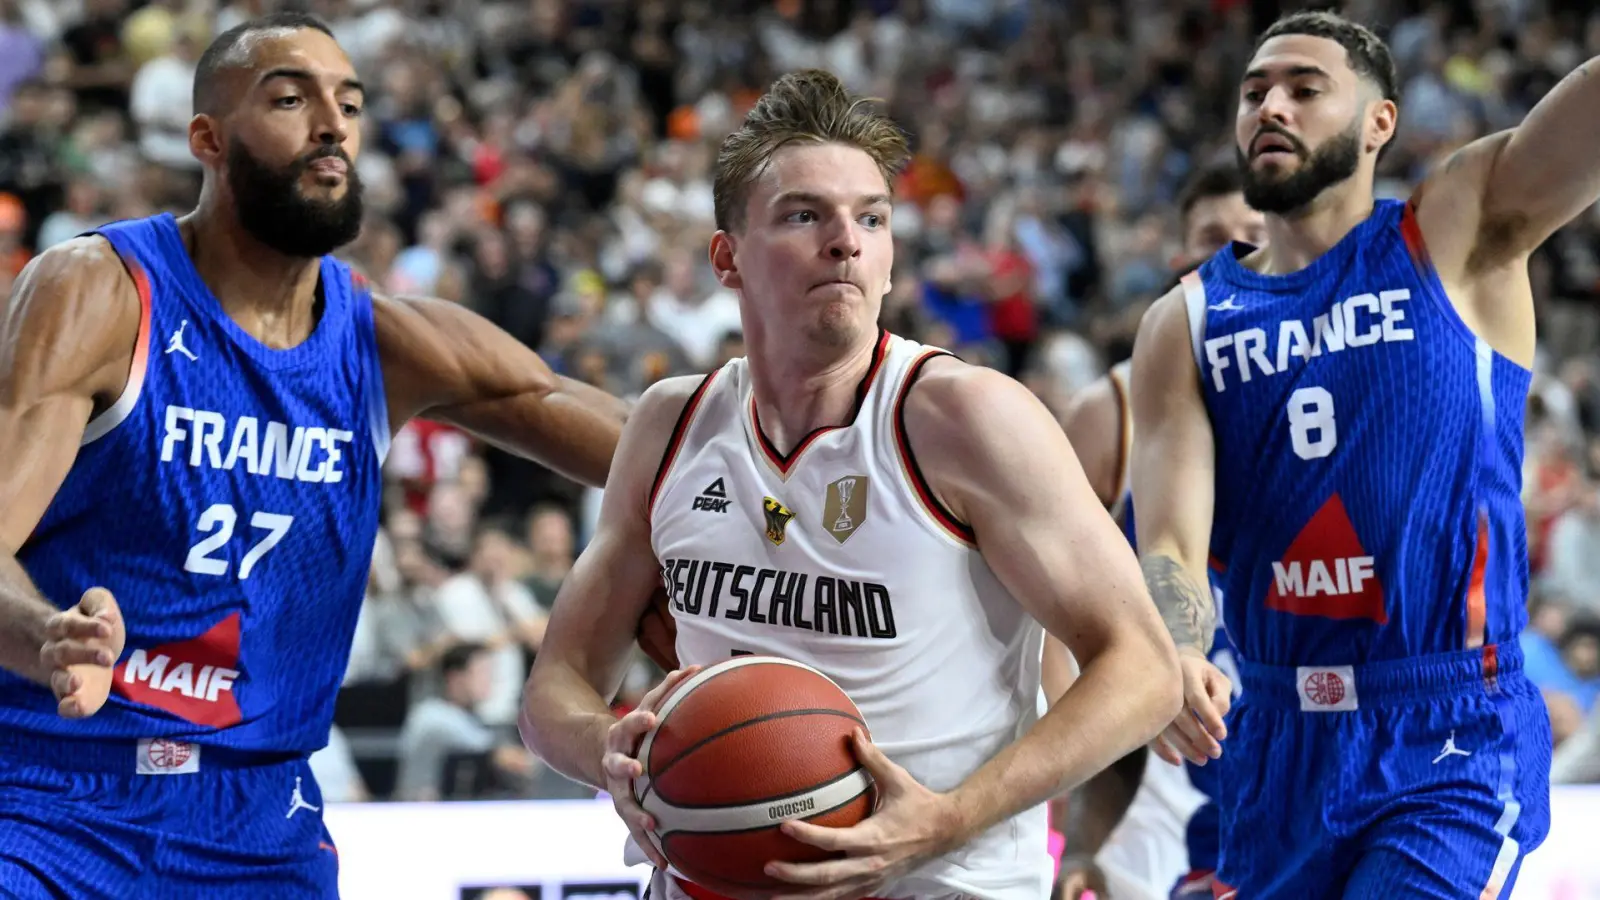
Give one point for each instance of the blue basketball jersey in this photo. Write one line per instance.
(229, 500)
(1368, 456)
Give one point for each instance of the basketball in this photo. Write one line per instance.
(739, 748)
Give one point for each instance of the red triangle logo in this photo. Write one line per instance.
(194, 679)
(1326, 572)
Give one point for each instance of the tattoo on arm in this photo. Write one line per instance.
(1186, 608)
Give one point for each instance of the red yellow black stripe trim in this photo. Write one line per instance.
(908, 459)
(785, 461)
(675, 442)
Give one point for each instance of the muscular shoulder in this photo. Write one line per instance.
(652, 421)
(662, 404)
(972, 427)
(70, 322)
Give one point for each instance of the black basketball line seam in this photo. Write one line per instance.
(763, 884)
(736, 726)
(767, 801)
(656, 777)
(662, 717)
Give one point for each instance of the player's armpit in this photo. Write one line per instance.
(445, 362)
(590, 634)
(1541, 174)
(67, 336)
(1172, 472)
(1004, 466)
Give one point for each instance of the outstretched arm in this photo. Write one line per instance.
(1498, 198)
(1007, 469)
(445, 362)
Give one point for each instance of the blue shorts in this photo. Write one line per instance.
(1420, 778)
(78, 820)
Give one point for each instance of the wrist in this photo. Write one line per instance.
(960, 821)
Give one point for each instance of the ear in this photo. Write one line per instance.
(204, 140)
(722, 262)
(1381, 124)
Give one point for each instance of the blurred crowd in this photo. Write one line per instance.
(548, 163)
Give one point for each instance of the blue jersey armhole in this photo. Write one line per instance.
(377, 396)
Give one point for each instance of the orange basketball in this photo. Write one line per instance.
(739, 748)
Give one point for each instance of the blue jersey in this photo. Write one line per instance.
(1368, 456)
(229, 501)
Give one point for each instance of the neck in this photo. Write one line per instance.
(270, 295)
(1294, 241)
(799, 388)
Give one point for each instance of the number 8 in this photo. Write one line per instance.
(1311, 410)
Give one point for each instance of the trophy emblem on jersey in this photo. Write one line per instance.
(845, 506)
(778, 517)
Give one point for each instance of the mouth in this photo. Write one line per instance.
(330, 167)
(836, 282)
(1272, 145)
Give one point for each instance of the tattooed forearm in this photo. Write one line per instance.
(1186, 608)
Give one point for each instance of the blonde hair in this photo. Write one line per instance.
(810, 107)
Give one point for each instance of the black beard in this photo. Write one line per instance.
(274, 211)
(1332, 163)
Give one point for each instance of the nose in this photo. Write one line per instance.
(330, 125)
(1276, 107)
(843, 241)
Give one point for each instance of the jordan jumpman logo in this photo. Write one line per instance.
(297, 801)
(1450, 749)
(176, 344)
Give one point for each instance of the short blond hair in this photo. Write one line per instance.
(811, 107)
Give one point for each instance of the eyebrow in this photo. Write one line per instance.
(808, 197)
(348, 84)
(1300, 71)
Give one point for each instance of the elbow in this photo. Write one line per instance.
(528, 715)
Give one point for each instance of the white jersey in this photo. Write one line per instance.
(1146, 853)
(838, 556)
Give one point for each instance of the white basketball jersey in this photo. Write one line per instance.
(838, 556)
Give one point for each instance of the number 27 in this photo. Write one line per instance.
(219, 519)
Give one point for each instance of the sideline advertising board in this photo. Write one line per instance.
(572, 850)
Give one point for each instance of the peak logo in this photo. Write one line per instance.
(1326, 571)
(191, 679)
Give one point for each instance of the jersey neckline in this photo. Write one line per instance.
(1335, 260)
(335, 300)
(785, 461)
